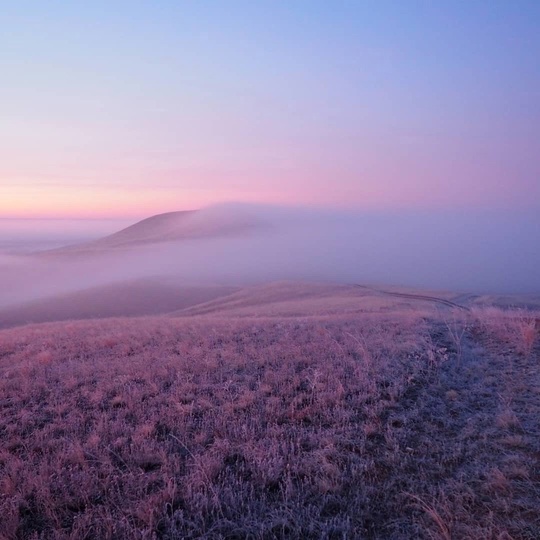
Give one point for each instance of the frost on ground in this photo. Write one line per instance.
(395, 424)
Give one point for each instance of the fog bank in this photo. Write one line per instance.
(482, 252)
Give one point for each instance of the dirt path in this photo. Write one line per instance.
(443, 301)
(471, 440)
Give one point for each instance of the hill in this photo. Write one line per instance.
(294, 299)
(171, 227)
(126, 299)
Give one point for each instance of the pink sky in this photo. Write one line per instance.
(142, 111)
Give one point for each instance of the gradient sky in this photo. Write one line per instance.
(134, 108)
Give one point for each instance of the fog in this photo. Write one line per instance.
(467, 252)
(29, 235)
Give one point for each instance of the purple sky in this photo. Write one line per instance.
(127, 109)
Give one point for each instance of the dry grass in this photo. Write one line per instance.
(352, 426)
(517, 329)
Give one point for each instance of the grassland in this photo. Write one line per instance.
(310, 413)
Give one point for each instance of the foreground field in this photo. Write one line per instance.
(390, 423)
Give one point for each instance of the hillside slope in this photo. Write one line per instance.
(383, 425)
(126, 299)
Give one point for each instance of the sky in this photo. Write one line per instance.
(127, 109)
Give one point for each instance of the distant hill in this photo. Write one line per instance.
(171, 227)
(126, 299)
